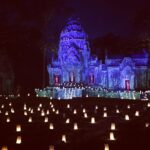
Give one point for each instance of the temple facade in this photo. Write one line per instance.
(75, 64)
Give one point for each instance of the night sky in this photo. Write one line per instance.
(100, 17)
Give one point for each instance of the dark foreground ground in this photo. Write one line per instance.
(36, 135)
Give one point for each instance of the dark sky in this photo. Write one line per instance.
(100, 17)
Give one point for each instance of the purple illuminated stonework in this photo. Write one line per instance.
(75, 64)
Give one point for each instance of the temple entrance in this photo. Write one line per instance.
(56, 79)
(72, 77)
(91, 79)
(127, 85)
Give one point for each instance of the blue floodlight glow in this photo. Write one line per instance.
(75, 64)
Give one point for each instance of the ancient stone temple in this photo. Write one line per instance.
(75, 64)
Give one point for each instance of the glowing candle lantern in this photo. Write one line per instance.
(8, 119)
(40, 105)
(64, 138)
(12, 110)
(68, 106)
(18, 128)
(46, 119)
(117, 111)
(51, 126)
(47, 112)
(2, 106)
(128, 107)
(111, 136)
(105, 109)
(31, 111)
(38, 109)
(4, 148)
(6, 113)
(25, 113)
(85, 115)
(25, 107)
(75, 111)
(106, 147)
(10, 104)
(42, 113)
(75, 127)
(53, 110)
(148, 104)
(18, 140)
(96, 107)
(57, 112)
(28, 94)
(30, 119)
(51, 97)
(113, 126)
(137, 113)
(147, 124)
(92, 120)
(51, 147)
(127, 117)
(68, 121)
(87, 95)
(105, 114)
(84, 110)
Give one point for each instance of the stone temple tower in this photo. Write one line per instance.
(73, 51)
(73, 54)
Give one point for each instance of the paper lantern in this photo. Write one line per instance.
(92, 120)
(96, 107)
(84, 110)
(106, 147)
(46, 119)
(75, 127)
(75, 111)
(8, 119)
(68, 121)
(113, 126)
(57, 112)
(68, 106)
(111, 136)
(6, 113)
(47, 112)
(42, 113)
(127, 117)
(4, 148)
(105, 114)
(18, 140)
(85, 115)
(117, 111)
(51, 126)
(64, 138)
(25, 107)
(128, 107)
(105, 109)
(12, 110)
(51, 147)
(25, 113)
(18, 128)
(30, 119)
(137, 113)
(147, 124)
